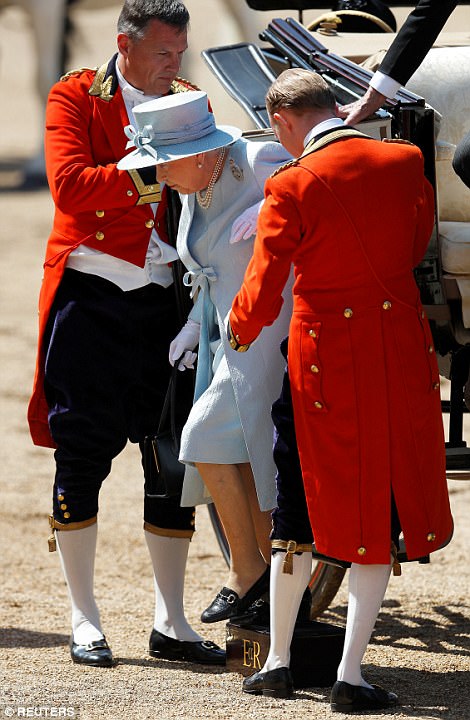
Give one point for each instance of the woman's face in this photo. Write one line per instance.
(186, 176)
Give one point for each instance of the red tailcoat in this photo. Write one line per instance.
(95, 203)
(355, 218)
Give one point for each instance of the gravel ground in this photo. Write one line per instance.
(421, 646)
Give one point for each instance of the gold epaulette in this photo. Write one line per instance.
(286, 165)
(182, 85)
(75, 73)
(101, 87)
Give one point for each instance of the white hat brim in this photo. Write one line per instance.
(224, 135)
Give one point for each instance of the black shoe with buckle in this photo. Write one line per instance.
(97, 653)
(348, 698)
(273, 683)
(227, 603)
(202, 652)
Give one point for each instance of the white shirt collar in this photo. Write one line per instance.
(322, 127)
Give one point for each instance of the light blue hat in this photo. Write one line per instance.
(173, 127)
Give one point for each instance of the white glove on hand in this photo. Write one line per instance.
(183, 345)
(245, 224)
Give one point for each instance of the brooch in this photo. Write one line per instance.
(237, 172)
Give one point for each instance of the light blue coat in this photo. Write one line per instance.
(216, 269)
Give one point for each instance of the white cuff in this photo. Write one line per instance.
(384, 84)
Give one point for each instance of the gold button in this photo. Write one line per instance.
(130, 193)
(99, 235)
(63, 506)
(361, 551)
(66, 515)
(422, 314)
(318, 405)
(149, 223)
(348, 313)
(314, 368)
(99, 213)
(430, 349)
(387, 305)
(431, 537)
(237, 338)
(151, 188)
(312, 333)
(436, 385)
(60, 498)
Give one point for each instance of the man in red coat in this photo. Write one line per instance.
(107, 317)
(354, 216)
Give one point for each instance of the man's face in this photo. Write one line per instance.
(152, 63)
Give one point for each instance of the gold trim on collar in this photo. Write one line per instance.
(182, 85)
(147, 193)
(101, 87)
(314, 145)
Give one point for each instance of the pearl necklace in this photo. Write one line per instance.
(205, 200)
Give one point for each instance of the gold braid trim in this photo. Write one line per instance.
(291, 547)
(180, 84)
(101, 87)
(75, 73)
(56, 525)
(166, 532)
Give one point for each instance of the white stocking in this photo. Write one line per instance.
(285, 595)
(77, 550)
(169, 556)
(367, 586)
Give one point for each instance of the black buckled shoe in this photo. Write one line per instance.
(227, 603)
(273, 683)
(348, 698)
(97, 653)
(202, 652)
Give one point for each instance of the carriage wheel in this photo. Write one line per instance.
(324, 582)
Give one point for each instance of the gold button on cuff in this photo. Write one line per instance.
(60, 498)
(149, 223)
(99, 213)
(422, 314)
(318, 405)
(431, 537)
(387, 305)
(314, 368)
(130, 193)
(312, 333)
(436, 386)
(66, 515)
(361, 551)
(99, 235)
(348, 313)
(63, 506)
(430, 349)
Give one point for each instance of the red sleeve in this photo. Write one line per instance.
(259, 300)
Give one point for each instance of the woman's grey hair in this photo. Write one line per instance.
(299, 90)
(135, 16)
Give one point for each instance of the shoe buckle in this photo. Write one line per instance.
(231, 598)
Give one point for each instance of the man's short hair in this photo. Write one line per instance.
(135, 15)
(299, 90)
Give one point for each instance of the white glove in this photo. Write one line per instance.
(183, 345)
(245, 224)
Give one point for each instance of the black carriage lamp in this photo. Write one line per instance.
(353, 12)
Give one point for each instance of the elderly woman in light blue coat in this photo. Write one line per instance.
(227, 441)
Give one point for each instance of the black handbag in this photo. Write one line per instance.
(163, 472)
